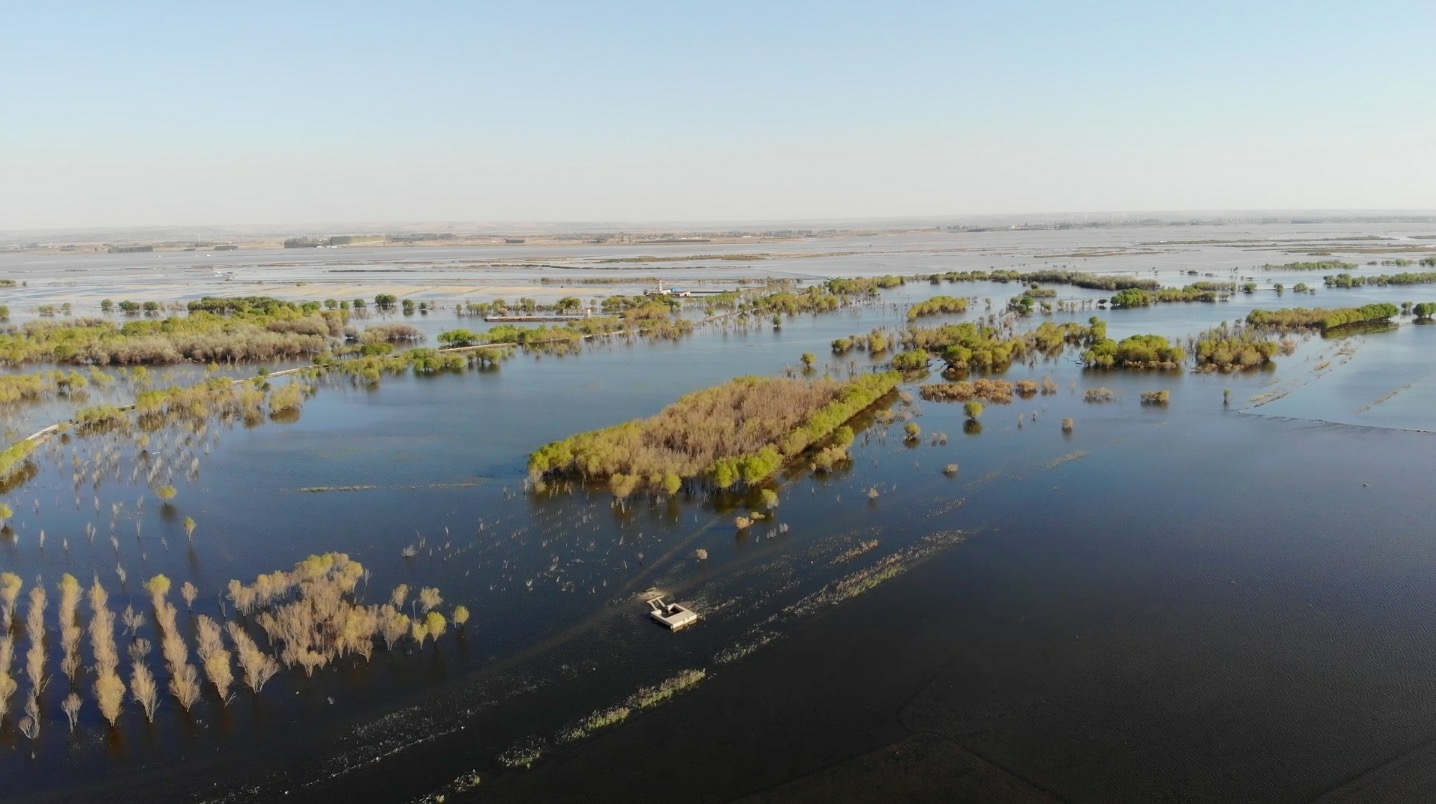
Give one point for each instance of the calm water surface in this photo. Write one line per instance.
(1198, 601)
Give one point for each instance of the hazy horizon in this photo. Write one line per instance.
(176, 115)
(537, 228)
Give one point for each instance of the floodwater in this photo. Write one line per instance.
(1200, 601)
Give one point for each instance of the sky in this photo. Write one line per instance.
(212, 113)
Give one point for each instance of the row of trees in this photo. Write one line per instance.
(307, 617)
(1380, 280)
(1136, 297)
(1323, 319)
(1052, 277)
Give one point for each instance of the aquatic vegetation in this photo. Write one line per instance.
(1068, 458)
(596, 721)
(1068, 425)
(653, 696)
(522, 756)
(1099, 395)
(741, 431)
(864, 546)
(868, 578)
(1156, 397)
(973, 410)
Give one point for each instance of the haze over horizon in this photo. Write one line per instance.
(167, 114)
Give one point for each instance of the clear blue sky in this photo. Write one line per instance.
(298, 112)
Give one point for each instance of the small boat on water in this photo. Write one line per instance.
(672, 615)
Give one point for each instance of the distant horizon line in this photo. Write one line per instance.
(519, 226)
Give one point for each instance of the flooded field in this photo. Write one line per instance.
(1221, 597)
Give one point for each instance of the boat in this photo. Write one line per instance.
(673, 616)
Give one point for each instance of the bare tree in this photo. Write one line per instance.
(71, 706)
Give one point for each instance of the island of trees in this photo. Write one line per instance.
(1323, 319)
(739, 432)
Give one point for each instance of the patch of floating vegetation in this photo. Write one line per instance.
(1386, 396)
(862, 547)
(462, 784)
(869, 578)
(523, 755)
(645, 698)
(745, 648)
(319, 489)
(1068, 458)
(598, 720)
